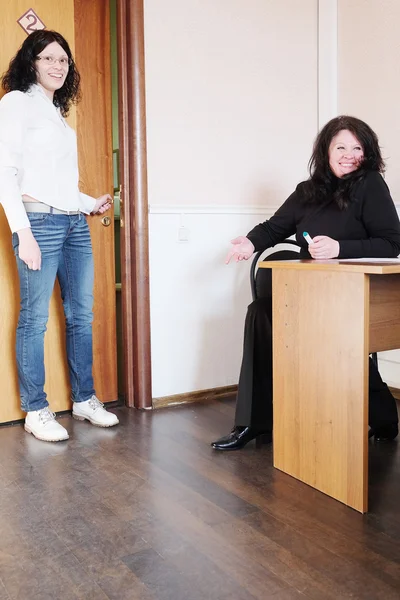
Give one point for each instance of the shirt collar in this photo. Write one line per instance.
(37, 90)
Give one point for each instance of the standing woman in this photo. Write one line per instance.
(51, 239)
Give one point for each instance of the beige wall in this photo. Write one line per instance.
(231, 99)
(369, 88)
(236, 90)
(369, 75)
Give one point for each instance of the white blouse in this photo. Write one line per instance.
(38, 157)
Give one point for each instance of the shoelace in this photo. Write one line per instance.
(46, 415)
(95, 403)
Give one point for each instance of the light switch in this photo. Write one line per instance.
(183, 234)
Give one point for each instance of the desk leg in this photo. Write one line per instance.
(320, 362)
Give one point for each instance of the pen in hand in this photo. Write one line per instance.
(307, 237)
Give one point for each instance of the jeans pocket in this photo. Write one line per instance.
(36, 218)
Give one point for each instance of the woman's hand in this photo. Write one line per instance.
(324, 247)
(242, 249)
(102, 204)
(29, 251)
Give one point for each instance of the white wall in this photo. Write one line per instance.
(197, 302)
(232, 92)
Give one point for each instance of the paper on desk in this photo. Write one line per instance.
(371, 260)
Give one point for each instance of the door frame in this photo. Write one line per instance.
(135, 273)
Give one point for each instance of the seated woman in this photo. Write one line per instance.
(346, 208)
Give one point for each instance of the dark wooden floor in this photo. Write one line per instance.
(148, 511)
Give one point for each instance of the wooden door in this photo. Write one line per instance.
(85, 24)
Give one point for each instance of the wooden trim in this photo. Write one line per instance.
(94, 129)
(214, 394)
(198, 396)
(344, 266)
(384, 322)
(125, 239)
(134, 205)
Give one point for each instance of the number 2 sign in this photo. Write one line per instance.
(30, 21)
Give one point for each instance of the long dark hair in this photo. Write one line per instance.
(22, 72)
(323, 183)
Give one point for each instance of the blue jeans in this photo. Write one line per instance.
(65, 244)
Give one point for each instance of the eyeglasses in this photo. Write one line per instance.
(50, 60)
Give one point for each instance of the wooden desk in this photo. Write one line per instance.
(327, 317)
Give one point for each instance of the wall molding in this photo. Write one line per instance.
(217, 209)
(221, 209)
(198, 396)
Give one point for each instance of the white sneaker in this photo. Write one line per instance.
(93, 410)
(43, 425)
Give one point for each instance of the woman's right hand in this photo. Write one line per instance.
(29, 251)
(242, 249)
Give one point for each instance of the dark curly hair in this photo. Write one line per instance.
(323, 183)
(22, 72)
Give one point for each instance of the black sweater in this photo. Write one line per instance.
(369, 226)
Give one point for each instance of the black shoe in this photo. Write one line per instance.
(385, 433)
(240, 436)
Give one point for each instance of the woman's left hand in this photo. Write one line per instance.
(324, 247)
(102, 204)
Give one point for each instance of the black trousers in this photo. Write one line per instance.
(254, 398)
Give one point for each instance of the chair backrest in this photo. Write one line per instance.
(261, 279)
